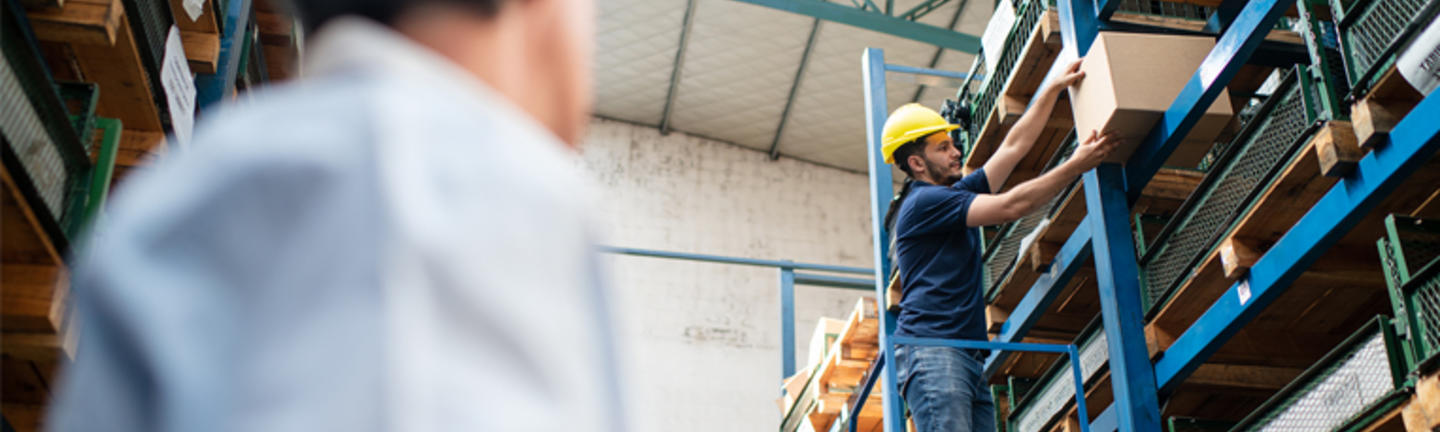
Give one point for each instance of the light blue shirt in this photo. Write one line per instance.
(386, 244)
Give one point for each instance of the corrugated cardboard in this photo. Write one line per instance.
(1131, 79)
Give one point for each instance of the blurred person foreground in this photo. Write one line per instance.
(397, 241)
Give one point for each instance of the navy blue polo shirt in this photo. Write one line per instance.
(939, 260)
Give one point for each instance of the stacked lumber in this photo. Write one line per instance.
(825, 390)
(1422, 411)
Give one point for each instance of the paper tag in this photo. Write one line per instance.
(179, 87)
(1420, 63)
(194, 8)
(1244, 291)
(992, 41)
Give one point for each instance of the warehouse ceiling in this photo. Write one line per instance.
(740, 63)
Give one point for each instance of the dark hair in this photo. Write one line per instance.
(315, 13)
(902, 154)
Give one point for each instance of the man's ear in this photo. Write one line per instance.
(917, 164)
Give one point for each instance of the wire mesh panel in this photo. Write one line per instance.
(1165, 8)
(1424, 301)
(1026, 18)
(1007, 248)
(1371, 29)
(1262, 149)
(1410, 252)
(26, 135)
(150, 21)
(1058, 390)
(1343, 385)
(41, 149)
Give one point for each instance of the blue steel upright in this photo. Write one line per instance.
(1118, 276)
(214, 88)
(881, 190)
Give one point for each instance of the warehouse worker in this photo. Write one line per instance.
(396, 242)
(937, 248)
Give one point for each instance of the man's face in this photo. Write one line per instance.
(942, 159)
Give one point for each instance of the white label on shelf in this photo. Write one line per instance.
(179, 87)
(1244, 291)
(1420, 63)
(992, 41)
(194, 8)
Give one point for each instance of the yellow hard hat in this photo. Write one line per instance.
(908, 123)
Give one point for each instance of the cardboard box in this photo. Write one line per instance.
(1131, 79)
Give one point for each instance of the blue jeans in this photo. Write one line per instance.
(944, 389)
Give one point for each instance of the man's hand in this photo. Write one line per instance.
(1092, 152)
(1072, 75)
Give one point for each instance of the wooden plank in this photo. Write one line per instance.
(1337, 149)
(1422, 413)
(20, 383)
(124, 84)
(1237, 255)
(1430, 209)
(205, 23)
(24, 417)
(1194, 25)
(79, 22)
(42, 4)
(275, 28)
(138, 148)
(202, 50)
(33, 297)
(1243, 376)
(1284, 201)
(1388, 101)
(25, 242)
(280, 62)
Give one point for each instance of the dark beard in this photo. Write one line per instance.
(947, 179)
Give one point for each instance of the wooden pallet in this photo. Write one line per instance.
(839, 373)
(277, 40)
(1162, 196)
(1386, 103)
(1041, 48)
(91, 41)
(1422, 411)
(1343, 288)
(38, 335)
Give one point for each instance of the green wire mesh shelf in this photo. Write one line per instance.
(1000, 259)
(1372, 31)
(1364, 374)
(46, 130)
(1410, 254)
(1047, 401)
(1250, 163)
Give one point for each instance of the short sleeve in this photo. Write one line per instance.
(936, 209)
(976, 182)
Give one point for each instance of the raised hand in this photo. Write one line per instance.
(1093, 151)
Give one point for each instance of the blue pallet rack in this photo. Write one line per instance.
(1105, 236)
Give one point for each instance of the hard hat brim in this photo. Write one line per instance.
(893, 145)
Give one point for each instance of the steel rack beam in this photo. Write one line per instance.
(877, 20)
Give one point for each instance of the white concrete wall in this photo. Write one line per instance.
(702, 340)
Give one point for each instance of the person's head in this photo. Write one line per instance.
(932, 158)
(535, 53)
(916, 139)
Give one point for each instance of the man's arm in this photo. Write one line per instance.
(1023, 134)
(994, 209)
